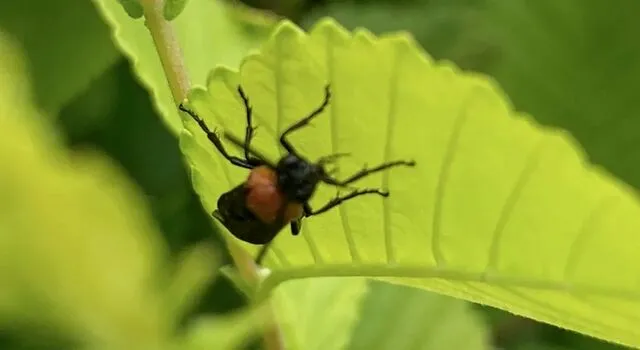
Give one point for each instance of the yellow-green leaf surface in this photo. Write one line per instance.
(318, 314)
(400, 317)
(498, 210)
(205, 34)
(79, 252)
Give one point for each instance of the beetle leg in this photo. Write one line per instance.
(296, 225)
(306, 209)
(215, 139)
(365, 172)
(249, 130)
(338, 200)
(283, 138)
(262, 253)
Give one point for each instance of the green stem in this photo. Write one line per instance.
(171, 58)
(168, 48)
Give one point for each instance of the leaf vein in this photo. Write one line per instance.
(313, 248)
(393, 99)
(278, 83)
(450, 274)
(342, 209)
(510, 204)
(578, 244)
(443, 179)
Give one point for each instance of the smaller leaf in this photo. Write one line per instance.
(232, 274)
(540, 346)
(132, 7)
(195, 270)
(228, 332)
(173, 8)
(319, 313)
(415, 319)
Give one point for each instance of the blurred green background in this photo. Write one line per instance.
(571, 63)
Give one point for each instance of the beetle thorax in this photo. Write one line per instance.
(297, 178)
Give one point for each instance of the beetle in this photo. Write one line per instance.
(277, 194)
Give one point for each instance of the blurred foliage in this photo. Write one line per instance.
(56, 50)
(82, 262)
(84, 83)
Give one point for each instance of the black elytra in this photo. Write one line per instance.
(296, 180)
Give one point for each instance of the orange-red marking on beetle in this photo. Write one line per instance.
(265, 200)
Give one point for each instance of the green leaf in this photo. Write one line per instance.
(207, 36)
(66, 45)
(194, 272)
(400, 317)
(229, 332)
(172, 8)
(80, 256)
(539, 346)
(319, 313)
(498, 210)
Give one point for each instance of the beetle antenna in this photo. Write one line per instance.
(236, 141)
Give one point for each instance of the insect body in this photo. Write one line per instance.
(276, 195)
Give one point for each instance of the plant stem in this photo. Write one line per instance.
(171, 58)
(168, 48)
(272, 338)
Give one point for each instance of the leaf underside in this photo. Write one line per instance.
(498, 210)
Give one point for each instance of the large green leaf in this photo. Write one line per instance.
(205, 34)
(79, 253)
(401, 317)
(498, 209)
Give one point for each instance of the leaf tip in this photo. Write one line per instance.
(364, 36)
(224, 74)
(329, 28)
(286, 30)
